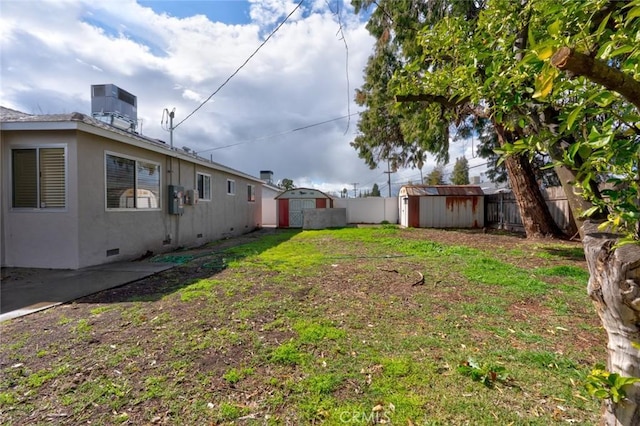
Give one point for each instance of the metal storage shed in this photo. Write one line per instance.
(441, 206)
(292, 203)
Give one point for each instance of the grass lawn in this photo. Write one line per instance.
(320, 327)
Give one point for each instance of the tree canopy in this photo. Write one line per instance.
(287, 184)
(460, 175)
(435, 176)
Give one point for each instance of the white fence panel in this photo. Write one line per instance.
(369, 209)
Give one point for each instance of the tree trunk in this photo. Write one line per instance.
(614, 287)
(577, 204)
(536, 218)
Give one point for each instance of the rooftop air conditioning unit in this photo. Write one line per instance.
(115, 106)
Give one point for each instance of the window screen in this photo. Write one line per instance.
(38, 178)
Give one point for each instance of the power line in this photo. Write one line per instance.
(297, 129)
(241, 66)
(346, 48)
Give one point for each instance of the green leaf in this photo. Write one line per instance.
(601, 394)
(554, 29)
(633, 13)
(605, 49)
(573, 115)
(622, 50)
(573, 150)
(590, 211)
(584, 151)
(544, 84)
(625, 381)
(603, 24)
(603, 99)
(530, 38)
(545, 53)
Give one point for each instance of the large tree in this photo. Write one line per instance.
(591, 79)
(421, 123)
(563, 79)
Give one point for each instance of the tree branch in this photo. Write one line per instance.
(566, 59)
(423, 97)
(463, 104)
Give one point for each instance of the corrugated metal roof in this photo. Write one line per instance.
(435, 190)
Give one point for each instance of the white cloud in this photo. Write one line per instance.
(53, 51)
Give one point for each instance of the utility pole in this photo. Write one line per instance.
(388, 172)
(355, 185)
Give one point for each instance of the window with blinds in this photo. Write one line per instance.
(132, 184)
(39, 178)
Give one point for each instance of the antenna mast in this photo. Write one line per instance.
(171, 115)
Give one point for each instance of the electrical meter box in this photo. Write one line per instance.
(191, 197)
(176, 199)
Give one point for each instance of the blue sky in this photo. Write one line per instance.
(176, 54)
(227, 11)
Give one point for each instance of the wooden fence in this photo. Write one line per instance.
(501, 210)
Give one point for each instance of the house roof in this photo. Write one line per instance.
(19, 121)
(303, 193)
(435, 190)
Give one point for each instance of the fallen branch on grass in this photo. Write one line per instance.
(420, 281)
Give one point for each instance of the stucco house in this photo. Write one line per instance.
(79, 191)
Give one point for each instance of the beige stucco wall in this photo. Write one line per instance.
(135, 232)
(40, 238)
(82, 234)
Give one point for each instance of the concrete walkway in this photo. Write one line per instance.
(27, 290)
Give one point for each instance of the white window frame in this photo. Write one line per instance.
(231, 187)
(137, 160)
(37, 148)
(203, 196)
(251, 193)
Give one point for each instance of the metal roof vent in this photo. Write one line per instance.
(114, 106)
(267, 175)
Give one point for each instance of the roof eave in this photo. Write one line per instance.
(120, 137)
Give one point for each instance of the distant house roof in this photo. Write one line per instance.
(12, 120)
(435, 190)
(303, 193)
